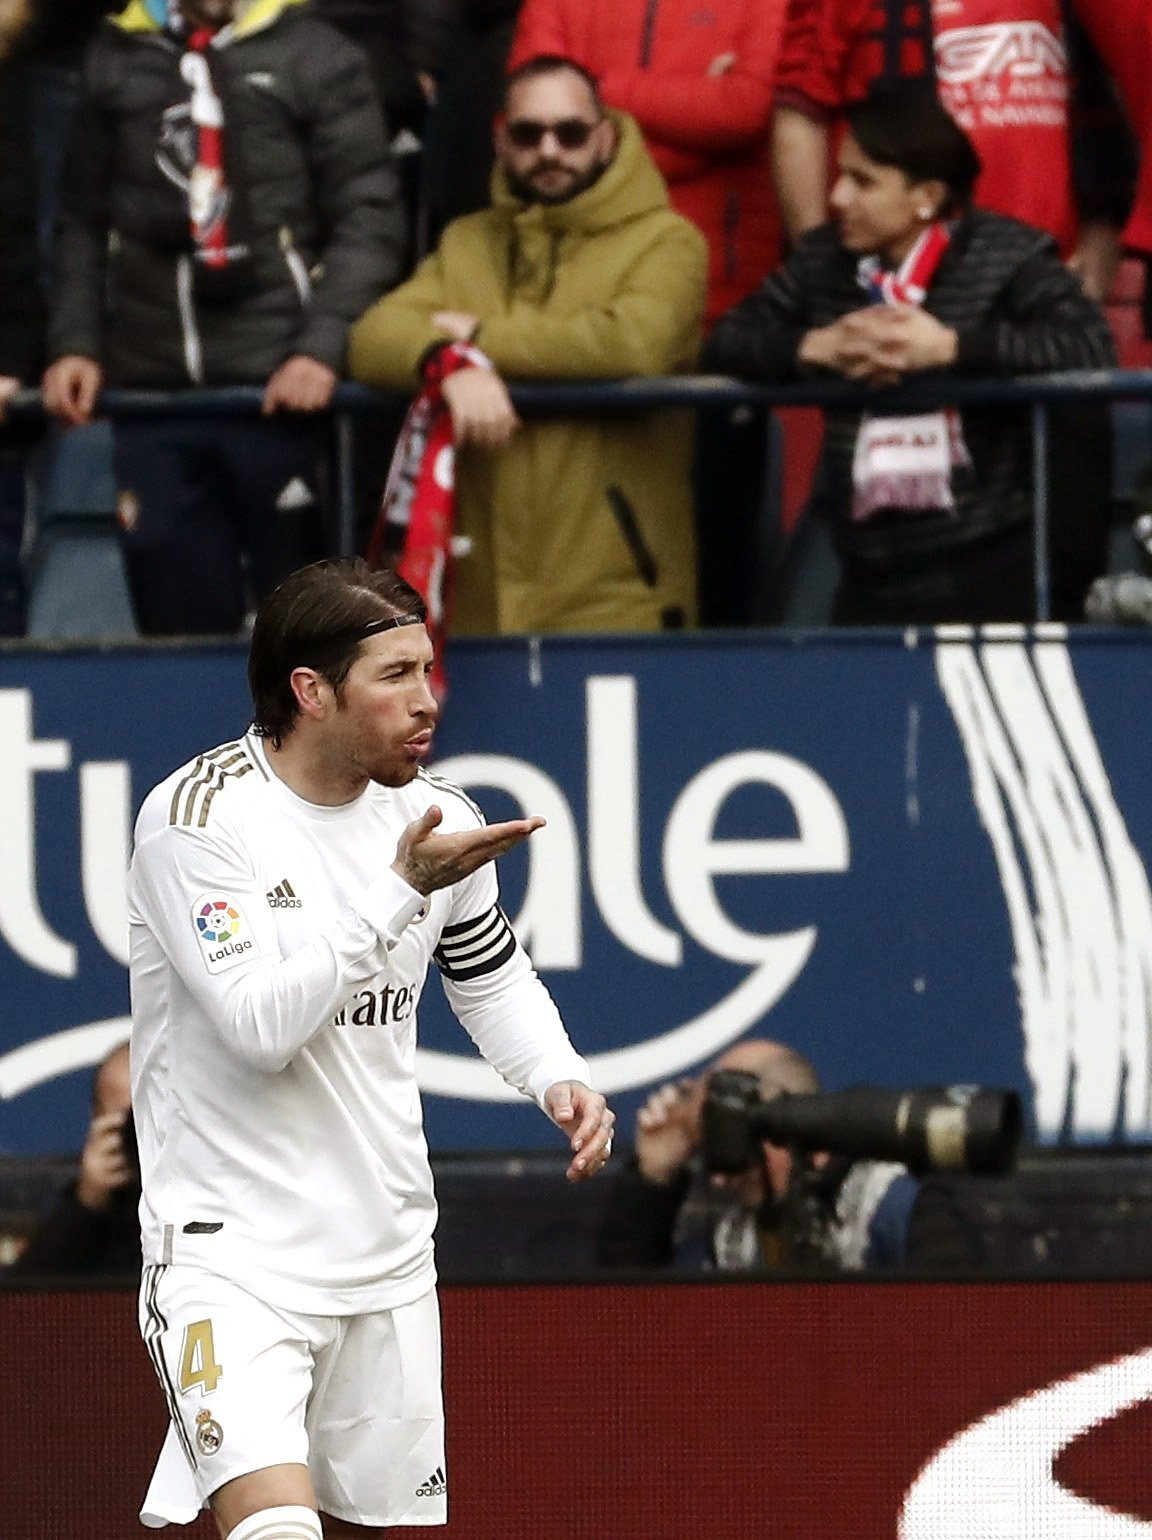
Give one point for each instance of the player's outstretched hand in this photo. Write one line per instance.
(427, 860)
(588, 1121)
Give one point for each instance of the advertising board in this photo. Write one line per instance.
(920, 858)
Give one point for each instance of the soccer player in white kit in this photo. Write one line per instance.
(287, 893)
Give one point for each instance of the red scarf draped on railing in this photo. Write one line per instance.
(420, 497)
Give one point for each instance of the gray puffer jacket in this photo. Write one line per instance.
(324, 225)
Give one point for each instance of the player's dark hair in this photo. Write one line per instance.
(903, 124)
(552, 64)
(318, 618)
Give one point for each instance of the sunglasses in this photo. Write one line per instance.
(569, 133)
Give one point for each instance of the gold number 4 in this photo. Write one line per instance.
(198, 1364)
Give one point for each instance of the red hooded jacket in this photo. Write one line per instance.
(698, 76)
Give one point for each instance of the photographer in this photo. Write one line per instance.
(94, 1227)
(786, 1211)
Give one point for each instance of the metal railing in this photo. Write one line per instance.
(1035, 393)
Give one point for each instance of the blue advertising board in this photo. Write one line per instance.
(919, 857)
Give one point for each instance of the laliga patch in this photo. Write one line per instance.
(224, 934)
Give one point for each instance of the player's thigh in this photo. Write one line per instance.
(376, 1420)
(236, 1374)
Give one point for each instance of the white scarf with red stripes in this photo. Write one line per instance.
(906, 462)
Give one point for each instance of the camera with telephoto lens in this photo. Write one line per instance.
(953, 1128)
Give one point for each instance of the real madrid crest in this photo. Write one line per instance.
(209, 1433)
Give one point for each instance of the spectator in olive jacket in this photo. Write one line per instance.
(578, 270)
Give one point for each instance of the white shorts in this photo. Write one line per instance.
(355, 1398)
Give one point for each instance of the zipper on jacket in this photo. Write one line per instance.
(189, 331)
(629, 527)
(649, 33)
(297, 269)
(112, 257)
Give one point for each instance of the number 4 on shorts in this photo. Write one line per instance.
(198, 1364)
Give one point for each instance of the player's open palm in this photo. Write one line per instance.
(427, 860)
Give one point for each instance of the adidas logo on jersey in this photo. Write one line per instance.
(282, 897)
(435, 1486)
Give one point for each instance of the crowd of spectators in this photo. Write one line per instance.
(284, 193)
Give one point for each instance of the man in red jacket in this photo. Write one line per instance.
(699, 79)
(1001, 68)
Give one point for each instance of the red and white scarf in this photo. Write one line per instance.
(906, 462)
(420, 497)
(209, 197)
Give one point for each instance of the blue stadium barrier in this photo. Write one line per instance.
(1037, 393)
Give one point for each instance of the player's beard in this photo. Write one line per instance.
(355, 756)
(391, 768)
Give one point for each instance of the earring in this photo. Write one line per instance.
(924, 213)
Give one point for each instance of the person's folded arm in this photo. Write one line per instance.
(391, 339)
(704, 113)
(760, 338)
(723, 107)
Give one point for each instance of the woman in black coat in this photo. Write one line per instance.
(931, 512)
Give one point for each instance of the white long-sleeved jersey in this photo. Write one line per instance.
(276, 967)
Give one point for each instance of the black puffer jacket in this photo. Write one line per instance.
(1017, 310)
(326, 229)
(21, 302)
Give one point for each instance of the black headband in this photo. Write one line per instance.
(374, 627)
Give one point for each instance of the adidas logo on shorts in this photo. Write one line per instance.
(282, 897)
(435, 1486)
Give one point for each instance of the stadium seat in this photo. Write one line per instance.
(78, 590)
